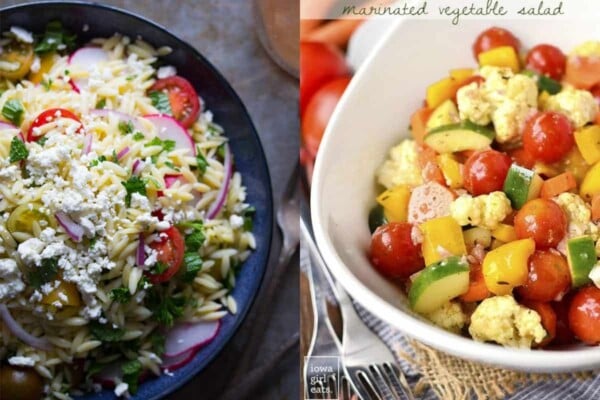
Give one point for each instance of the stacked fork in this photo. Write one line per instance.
(368, 364)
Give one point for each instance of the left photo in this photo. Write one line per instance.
(148, 200)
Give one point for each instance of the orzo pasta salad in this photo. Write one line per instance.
(122, 219)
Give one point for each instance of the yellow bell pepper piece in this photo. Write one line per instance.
(588, 143)
(504, 56)
(46, 63)
(575, 163)
(440, 91)
(395, 203)
(451, 169)
(548, 170)
(591, 183)
(442, 237)
(542, 98)
(507, 266)
(496, 243)
(461, 74)
(65, 290)
(505, 232)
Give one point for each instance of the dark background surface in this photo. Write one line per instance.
(224, 32)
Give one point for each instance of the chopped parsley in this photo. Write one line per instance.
(125, 127)
(131, 374)
(160, 100)
(167, 145)
(159, 268)
(55, 38)
(194, 239)
(46, 272)
(120, 295)
(158, 343)
(105, 332)
(192, 264)
(115, 158)
(101, 104)
(171, 165)
(93, 242)
(165, 310)
(97, 161)
(130, 78)
(18, 151)
(138, 136)
(201, 162)
(13, 111)
(134, 184)
(47, 84)
(248, 215)
(67, 72)
(43, 140)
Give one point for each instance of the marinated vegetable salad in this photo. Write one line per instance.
(489, 213)
(122, 220)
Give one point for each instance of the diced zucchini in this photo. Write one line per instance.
(445, 114)
(376, 218)
(464, 135)
(439, 283)
(521, 185)
(581, 255)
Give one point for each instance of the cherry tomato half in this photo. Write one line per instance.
(492, 38)
(48, 116)
(584, 315)
(319, 64)
(521, 157)
(393, 252)
(542, 220)
(548, 317)
(548, 278)
(583, 72)
(182, 97)
(547, 60)
(318, 112)
(548, 136)
(485, 171)
(170, 252)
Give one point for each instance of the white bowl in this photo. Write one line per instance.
(374, 115)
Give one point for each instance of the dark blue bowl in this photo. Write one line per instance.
(228, 111)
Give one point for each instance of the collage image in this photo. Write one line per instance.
(299, 199)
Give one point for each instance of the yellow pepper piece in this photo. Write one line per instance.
(46, 63)
(542, 98)
(461, 74)
(588, 143)
(442, 237)
(496, 243)
(547, 170)
(440, 91)
(505, 232)
(504, 56)
(506, 266)
(591, 183)
(395, 203)
(65, 293)
(451, 169)
(575, 163)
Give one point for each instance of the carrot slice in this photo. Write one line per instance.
(418, 123)
(557, 185)
(477, 289)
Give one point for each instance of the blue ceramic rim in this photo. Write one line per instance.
(260, 257)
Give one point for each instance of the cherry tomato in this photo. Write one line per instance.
(548, 136)
(170, 252)
(393, 252)
(492, 38)
(548, 278)
(563, 332)
(522, 157)
(318, 112)
(485, 171)
(319, 64)
(47, 117)
(584, 315)
(542, 220)
(20, 383)
(547, 60)
(583, 72)
(548, 317)
(182, 97)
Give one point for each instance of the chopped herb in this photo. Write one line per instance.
(94, 368)
(154, 158)
(134, 184)
(160, 100)
(154, 182)
(130, 77)
(221, 151)
(13, 111)
(42, 141)
(131, 374)
(167, 145)
(97, 161)
(120, 295)
(115, 159)
(55, 38)
(201, 162)
(125, 127)
(248, 215)
(159, 268)
(165, 310)
(144, 283)
(105, 332)
(138, 136)
(171, 165)
(45, 273)
(47, 84)
(193, 264)
(93, 242)
(195, 239)
(18, 151)
(101, 103)
(66, 72)
(158, 343)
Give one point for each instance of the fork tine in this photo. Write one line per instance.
(397, 381)
(334, 387)
(366, 380)
(382, 383)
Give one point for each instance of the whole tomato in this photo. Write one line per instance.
(547, 60)
(319, 64)
(584, 315)
(542, 220)
(548, 136)
(318, 112)
(485, 171)
(548, 278)
(393, 252)
(492, 38)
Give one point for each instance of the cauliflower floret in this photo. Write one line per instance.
(590, 48)
(449, 317)
(500, 319)
(487, 210)
(472, 104)
(402, 166)
(579, 218)
(577, 105)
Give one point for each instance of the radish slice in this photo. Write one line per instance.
(20, 332)
(123, 152)
(170, 179)
(87, 143)
(6, 125)
(74, 230)
(174, 363)
(86, 59)
(216, 207)
(168, 128)
(140, 255)
(102, 112)
(184, 337)
(138, 166)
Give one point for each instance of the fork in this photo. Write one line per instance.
(368, 363)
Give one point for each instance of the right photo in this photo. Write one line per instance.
(450, 229)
